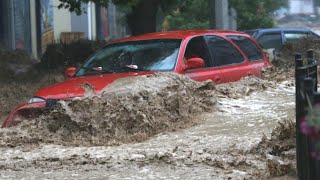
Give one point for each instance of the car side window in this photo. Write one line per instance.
(223, 52)
(313, 35)
(272, 40)
(197, 48)
(292, 37)
(250, 49)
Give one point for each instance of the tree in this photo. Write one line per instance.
(251, 14)
(141, 14)
(76, 5)
(254, 14)
(189, 14)
(183, 14)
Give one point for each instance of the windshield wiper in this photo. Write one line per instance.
(105, 71)
(132, 67)
(99, 70)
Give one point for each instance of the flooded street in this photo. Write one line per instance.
(217, 148)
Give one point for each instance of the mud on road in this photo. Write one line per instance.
(128, 110)
(226, 132)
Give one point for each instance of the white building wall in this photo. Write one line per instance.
(86, 22)
(301, 7)
(61, 20)
(79, 23)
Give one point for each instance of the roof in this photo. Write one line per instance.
(256, 33)
(182, 34)
(283, 29)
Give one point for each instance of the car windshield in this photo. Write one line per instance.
(146, 55)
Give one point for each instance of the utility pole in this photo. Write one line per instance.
(212, 14)
(218, 14)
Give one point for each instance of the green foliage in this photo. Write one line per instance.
(127, 5)
(76, 5)
(189, 14)
(141, 13)
(60, 56)
(254, 14)
(195, 14)
(11, 62)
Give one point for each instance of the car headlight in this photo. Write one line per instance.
(36, 99)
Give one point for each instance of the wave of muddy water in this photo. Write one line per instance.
(218, 148)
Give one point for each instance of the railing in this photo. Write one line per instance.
(306, 96)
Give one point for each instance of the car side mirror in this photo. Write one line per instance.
(71, 71)
(195, 63)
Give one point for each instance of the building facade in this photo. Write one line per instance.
(301, 7)
(33, 24)
(15, 25)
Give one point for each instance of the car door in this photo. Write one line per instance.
(197, 47)
(228, 59)
(252, 52)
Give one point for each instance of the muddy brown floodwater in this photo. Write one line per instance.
(220, 147)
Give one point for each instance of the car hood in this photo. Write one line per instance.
(72, 87)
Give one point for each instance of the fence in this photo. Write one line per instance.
(306, 95)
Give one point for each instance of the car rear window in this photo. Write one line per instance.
(250, 49)
(292, 37)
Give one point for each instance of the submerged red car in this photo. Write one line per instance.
(220, 56)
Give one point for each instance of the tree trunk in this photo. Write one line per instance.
(143, 18)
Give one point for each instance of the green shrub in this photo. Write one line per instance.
(13, 63)
(59, 55)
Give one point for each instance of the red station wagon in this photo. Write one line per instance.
(220, 56)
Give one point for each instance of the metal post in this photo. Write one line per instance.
(222, 14)
(306, 97)
(314, 165)
(310, 56)
(313, 68)
(233, 19)
(89, 20)
(311, 89)
(298, 60)
(301, 140)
